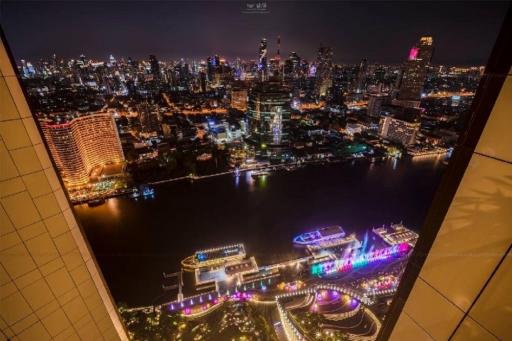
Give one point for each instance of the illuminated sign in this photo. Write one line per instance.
(413, 53)
(347, 264)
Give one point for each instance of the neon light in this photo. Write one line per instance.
(362, 260)
(413, 53)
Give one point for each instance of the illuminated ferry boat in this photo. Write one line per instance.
(319, 236)
(396, 234)
(146, 192)
(350, 240)
(214, 257)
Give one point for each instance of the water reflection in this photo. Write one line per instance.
(249, 180)
(113, 208)
(394, 162)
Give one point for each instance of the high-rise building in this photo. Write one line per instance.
(262, 59)
(361, 75)
(380, 74)
(239, 99)
(413, 78)
(154, 67)
(375, 102)
(278, 54)
(81, 143)
(415, 71)
(323, 70)
(269, 115)
(149, 118)
(212, 65)
(399, 130)
(426, 49)
(202, 81)
(292, 66)
(275, 63)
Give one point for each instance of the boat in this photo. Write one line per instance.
(135, 193)
(320, 235)
(260, 173)
(145, 191)
(148, 191)
(396, 234)
(214, 257)
(96, 202)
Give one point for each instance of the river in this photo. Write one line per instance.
(136, 240)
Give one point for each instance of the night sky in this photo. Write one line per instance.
(464, 32)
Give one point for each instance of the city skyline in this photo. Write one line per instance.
(211, 27)
(302, 171)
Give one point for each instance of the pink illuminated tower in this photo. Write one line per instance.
(413, 53)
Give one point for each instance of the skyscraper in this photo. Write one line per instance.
(380, 74)
(292, 66)
(154, 67)
(414, 72)
(375, 102)
(269, 115)
(426, 49)
(275, 63)
(361, 75)
(262, 59)
(81, 143)
(239, 99)
(323, 70)
(149, 119)
(278, 54)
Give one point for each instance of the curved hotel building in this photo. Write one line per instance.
(82, 143)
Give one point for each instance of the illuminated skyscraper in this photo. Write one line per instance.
(262, 61)
(212, 67)
(149, 118)
(415, 71)
(81, 143)
(239, 99)
(292, 66)
(275, 63)
(324, 70)
(361, 75)
(154, 67)
(278, 55)
(269, 115)
(426, 49)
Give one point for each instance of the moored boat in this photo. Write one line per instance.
(320, 235)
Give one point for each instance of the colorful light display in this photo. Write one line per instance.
(381, 283)
(413, 53)
(347, 264)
